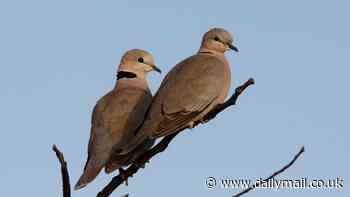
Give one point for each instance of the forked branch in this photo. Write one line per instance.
(163, 144)
(160, 147)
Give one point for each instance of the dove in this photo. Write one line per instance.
(191, 89)
(117, 115)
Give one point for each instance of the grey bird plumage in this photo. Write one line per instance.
(117, 115)
(191, 89)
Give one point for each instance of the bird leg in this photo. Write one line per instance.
(191, 125)
(123, 175)
(141, 165)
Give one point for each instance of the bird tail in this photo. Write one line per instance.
(90, 173)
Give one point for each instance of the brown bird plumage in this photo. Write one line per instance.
(191, 89)
(117, 160)
(117, 115)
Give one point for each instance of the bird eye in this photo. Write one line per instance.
(216, 38)
(140, 60)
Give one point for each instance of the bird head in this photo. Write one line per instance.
(138, 62)
(217, 40)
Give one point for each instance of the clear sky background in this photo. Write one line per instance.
(59, 57)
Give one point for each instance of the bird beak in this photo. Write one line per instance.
(154, 67)
(232, 47)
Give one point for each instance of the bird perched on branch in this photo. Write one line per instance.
(116, 117)
(191, 89)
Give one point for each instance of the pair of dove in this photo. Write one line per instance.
(126, 121)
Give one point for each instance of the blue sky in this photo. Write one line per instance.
(59, 57)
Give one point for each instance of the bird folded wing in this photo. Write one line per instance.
(188, 91)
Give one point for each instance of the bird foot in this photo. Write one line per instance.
(203, 120)
(123, 175)
(143, 165)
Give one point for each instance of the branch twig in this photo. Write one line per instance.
(302, 150)
(64, 172)
(163, 144)
(118, 180)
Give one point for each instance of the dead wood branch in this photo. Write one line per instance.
(163, 144)
(302, 150)
(64, 172)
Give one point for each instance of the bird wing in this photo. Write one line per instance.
(120, 113)
(187, 90)
(99, 144)
(114, 119)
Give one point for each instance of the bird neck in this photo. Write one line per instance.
(214, 53)
(211, 51)
(126, 79)
(125, 74)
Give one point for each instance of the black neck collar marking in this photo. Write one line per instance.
(125, 74)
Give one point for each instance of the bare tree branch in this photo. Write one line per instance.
(163, 144)
(64, 172)
(231, 101)
(160, 147)
(302, 150)
(129, 172)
